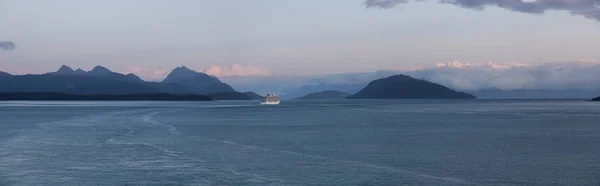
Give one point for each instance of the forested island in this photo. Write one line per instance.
(405, 87)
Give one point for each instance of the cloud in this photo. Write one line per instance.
(236, 70)
(384, 4)
(7, 45)
(586, 8)
(580, 74)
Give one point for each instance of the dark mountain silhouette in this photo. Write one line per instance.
(171, 88)
(328, 94)
(98, 71)
(53, 96)
(103, 72)
(71, 85)
(197, 82)
(229, 96)
(253, 96)
(98, 81)
(406, 87)
(596, 99)
(64, 70)
(4, 74)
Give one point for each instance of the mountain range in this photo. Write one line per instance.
(490, 93)
(290, 86)
(102, 81)
(493, 80)
(182, 80)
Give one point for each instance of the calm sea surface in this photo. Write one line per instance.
(345, 142)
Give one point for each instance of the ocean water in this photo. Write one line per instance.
(345, 142)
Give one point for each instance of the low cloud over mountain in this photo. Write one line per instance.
(581, 74)
(587, 8)
(578, 74)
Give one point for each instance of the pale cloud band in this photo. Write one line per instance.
(579, 74)
(587, 8)
(236, 70)
(464, 76)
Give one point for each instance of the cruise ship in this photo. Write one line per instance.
(270, 99)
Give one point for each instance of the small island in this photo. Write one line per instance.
(596, 99)
(55, 96)
(328, 94)
(406, 87)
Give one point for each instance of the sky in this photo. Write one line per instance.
(292, 37)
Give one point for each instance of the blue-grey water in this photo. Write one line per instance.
(345, 142)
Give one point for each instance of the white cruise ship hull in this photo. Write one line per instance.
(270, 103)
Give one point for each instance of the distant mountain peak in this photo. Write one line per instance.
(183, 69)
(133, 77)
(64, 69)
(183, 73)
(79, 71)
(100, 70)
(197, 81)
